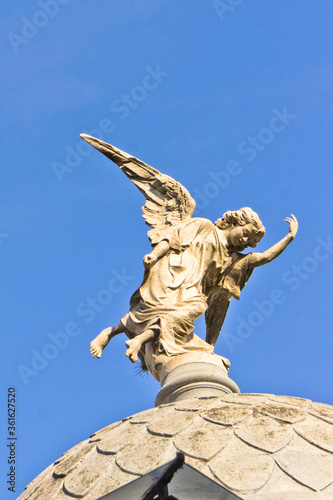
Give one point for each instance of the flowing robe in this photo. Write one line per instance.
(175, 290)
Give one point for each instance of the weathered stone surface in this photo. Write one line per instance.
(70, 461)
(280, 482)
(284, 413)
(317, 432)
(45, 488)
(227, 414)
(325, 412)
(97, 436)
(292, 400)
(259, 446)
(115, 478)
(264, 433)
(173, 424)
(144, 416)
(41, 480)
(306, 464)
(242, 468)
(119, 437)
(328, 491)
(246, 399)
(194, 379)
(87, 473)
(203, 440)
(146, 454)
(189, 405)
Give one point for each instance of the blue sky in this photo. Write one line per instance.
(235, 102)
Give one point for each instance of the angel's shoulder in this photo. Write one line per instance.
(204, 222)
(239, 255)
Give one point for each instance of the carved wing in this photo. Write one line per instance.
(167, 201)
(230, 284)
(218, 304)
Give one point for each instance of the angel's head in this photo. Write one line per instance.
(243, 228)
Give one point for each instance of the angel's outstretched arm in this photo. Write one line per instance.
(259, 259)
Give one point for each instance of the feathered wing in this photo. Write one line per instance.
(218, 304)
(167, 201)
(230, 284)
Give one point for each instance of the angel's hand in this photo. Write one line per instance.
(149, 260)
(293, 225)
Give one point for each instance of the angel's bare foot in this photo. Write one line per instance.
(133, 346)
(100, 342)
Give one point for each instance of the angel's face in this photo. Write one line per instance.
(241, 237)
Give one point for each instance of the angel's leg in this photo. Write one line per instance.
(102, 340)
(134, 345)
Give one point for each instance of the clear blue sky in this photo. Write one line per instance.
(235, 103)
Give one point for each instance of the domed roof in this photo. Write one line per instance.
(256, 445)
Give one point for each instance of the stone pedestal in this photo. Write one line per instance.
(194, 375)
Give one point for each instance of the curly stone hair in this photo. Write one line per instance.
(242, 217)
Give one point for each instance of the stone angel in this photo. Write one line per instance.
(195, 267)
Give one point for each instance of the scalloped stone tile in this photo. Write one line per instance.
(193, 404)
(48, 487)
(81, 480)
(153, 415)
(69, 452)
(328, 491)
(144, 416)
(43, 476)
(97, 436)
(175, 422)
(325, 412)
(146, 454)
(247, 399)
(72, 460)
(282, 412)
(264, 433)
(317, 432)
(199, 404)
(111, 481)
(227, 414)
(203, 441)
(281, 482)
(292, 400)
(301, 462)
(53, 495)
(306, 464)
(242, 468)
(201, 465)
(119, 437)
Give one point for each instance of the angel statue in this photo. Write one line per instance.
(195, 267)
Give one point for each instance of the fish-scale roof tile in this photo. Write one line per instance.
(259, 446)
(264, 433)
(203, 440)
(306, 463)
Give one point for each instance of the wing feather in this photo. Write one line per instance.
(218, 304)
(230, 284)
(167, 201)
